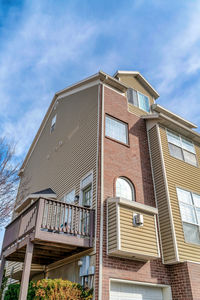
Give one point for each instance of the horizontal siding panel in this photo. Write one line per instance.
(112, 227)
(183, 175)
(163, 210)
(133, 239)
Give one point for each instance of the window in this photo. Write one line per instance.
(190, 213)
(116, 129)
(53, 124)
(125, 189)
(69, 197)
(87, 196)
(181, 148)
(138, 99)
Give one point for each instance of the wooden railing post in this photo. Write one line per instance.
(39, 218)
(91, 227)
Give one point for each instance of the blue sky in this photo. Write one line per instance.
(46, 45)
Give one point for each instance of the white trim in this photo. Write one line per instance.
(102, 199)
(118, 227)
(159, 108)
(134, 204)
(79, 89)
(82, 187)
(141, 78)
(167, 193)
(115, 90)
(167, 294)
(155, 195)
(97, 162)
(157, 237)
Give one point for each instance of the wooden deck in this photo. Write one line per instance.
(56, 229)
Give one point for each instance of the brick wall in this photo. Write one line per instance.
(134, 163)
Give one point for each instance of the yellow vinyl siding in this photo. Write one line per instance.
(60, 159)
(183, 175)
(112, 227)
(140, 240)
(165, 228)
(136, 110)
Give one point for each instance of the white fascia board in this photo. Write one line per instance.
(159, 108)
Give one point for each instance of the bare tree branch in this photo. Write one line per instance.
(8, 180)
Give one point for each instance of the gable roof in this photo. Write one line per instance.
(141, 79)
(100, 76)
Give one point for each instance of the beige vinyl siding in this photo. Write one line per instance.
(161, 196)
(112, 227)
(136, 110)
(183, 175)
(141, 240)
(60, 159)
(132, 82)
(13, 267)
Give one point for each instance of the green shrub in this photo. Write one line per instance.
(50, 289)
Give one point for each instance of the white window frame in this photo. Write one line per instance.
(53, 123)
(126, 127)
(85, 182)
(139, 106)
(130, 185)
(181, 147)
(195, 212)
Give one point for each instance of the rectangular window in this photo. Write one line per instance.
(190, 213)
(53, 124)
(181, 148)
(138, 99)
(69, 197)
(116, 129)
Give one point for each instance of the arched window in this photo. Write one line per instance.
(125, 189)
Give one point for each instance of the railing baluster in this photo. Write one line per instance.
(59, 225)
(56, 215)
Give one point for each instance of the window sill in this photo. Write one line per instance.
(197, 166)
(121, 143)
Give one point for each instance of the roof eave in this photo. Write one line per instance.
(141, 79)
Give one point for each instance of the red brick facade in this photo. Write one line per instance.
(133, 162)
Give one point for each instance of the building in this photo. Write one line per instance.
(110, 195)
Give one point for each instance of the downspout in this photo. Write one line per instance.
(102, 198)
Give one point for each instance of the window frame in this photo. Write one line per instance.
(181, 147)
(131, 186)
(53, 124)
(126, 126)
(138, 102)
(194, 207)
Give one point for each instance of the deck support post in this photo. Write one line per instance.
(3, 261)
(26, 271)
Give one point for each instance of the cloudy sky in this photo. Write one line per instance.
(46, 45)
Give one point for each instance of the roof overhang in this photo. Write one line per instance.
(160, 109)
(141, 79)
(172, 124)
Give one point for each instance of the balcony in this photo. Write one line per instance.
(56, 229)
(127, 239)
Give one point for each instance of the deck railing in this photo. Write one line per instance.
(51, 216)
